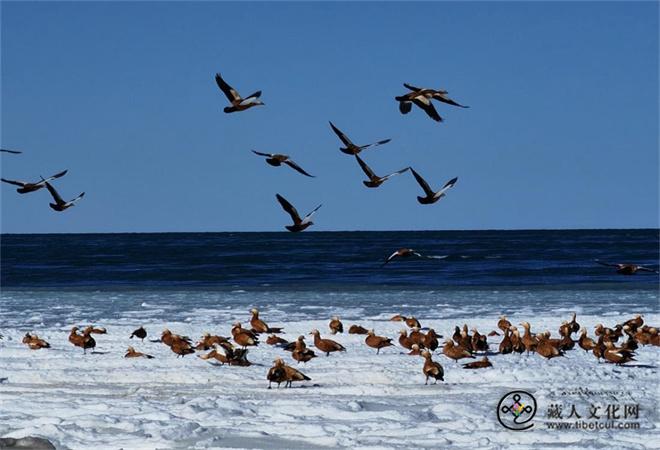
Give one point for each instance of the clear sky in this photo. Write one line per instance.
(562, 131)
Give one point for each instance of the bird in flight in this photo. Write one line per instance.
(276, 159)
(402, 253)
(26, 187)
(15, 152)
(375, 180)
(298, 223)
(627, 269)
(422, 98)
(61, 205)
(351, 148)
(238, 103)
(432, 196)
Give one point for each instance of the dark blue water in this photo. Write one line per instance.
(332, 260)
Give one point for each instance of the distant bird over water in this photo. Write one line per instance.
(26, 187)
(14, 152)
(375, 180)
(276, 159)
(422, 97)
(298, 223)
(627, 269)
(402, 253)
(61, 205)
(430, 195)
(237, 102)
(351, 148)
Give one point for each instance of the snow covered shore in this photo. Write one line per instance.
(356, 399)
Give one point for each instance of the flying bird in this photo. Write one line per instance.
(402, 253)
(375, 180)
(238, 103)
(61, 205)
(15, 152)
(298, 223)
(26, 187)
(627, 269)
(422, 98)
(275, 159)
(432, 196)
(351, 148)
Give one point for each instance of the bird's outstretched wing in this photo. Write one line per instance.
(347, 142)
(296, 167)
(54, 193)
(309, 216)
(411, 87)
(398, 172)
(422, 182)
(15, 183)
(598, 261)
(428, 107)
(288, 207)
(82, 194)
(365, 168)
(57, 175)
(442, 97)
(230, 92)
(391, 257)
(646, 269)
(448, 185)
(384, 141)
(269, 155)
(14, 152)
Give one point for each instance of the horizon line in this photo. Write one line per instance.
(336, 231)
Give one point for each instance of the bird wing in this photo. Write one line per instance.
(367, 170)
(309, 216)
(384, 141)
(411, 87)
(428, 107)
(269, 155)
(442, 97)
(398, 172)
(296, 167)
(16, 183)
(448, 185)
(15, 152)
(347, 142)
(54, 193)
(288, 207)
(422, 182)
(605, 264)
(646, 269)
(230, 92)
(57, 175)
(82, 194)
(391, 257)
(254, 95)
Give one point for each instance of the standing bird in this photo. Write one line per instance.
(432, 196)
(276, 160)
(259, 326)
(15, 152)
(336, 326)
(377, 342)
(281, 372)
(432, 368)
(298, 223)
(237, 102)
(626, 269)
(402, 253)
(326, 345)
(139, 333)
(351, 148)
(503, 324)
(26, 187)
(375, 180)
(61, 205)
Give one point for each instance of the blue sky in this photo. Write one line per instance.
(562, 131)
